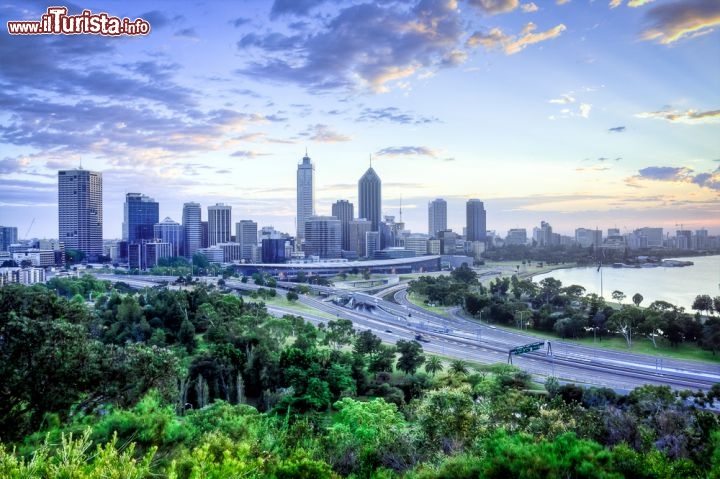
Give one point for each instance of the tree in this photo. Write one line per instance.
(549, 288)
(618, 296)
(653, 325)
(433, 365)
(339, 333)
(411, 356)
(292, 296)
(711, 335)
(626, 322)
(703, 302)
(464, 274)
(637, 299)
(459, 367)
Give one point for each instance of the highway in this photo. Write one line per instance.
(456, 337)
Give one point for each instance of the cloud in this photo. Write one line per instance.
(617, 129)
(247, 154)
(615, 3)
(671, 22)
(240, 21)
(293, 7)
(323, 134)
(529, 7)
(680, 174)
(561, 2)
(493, 7)
(688, 116)
(13, 165)
(513, 44)
(187, 33)
(407, 151)
(364, 46)
(564, 99)
(585, 110)
(394, 115)
(638, 3)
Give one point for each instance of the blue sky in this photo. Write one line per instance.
(582, 113)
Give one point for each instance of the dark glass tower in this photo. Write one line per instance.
(476, 227)
(142, 213)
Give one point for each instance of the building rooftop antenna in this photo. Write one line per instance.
(400, 207)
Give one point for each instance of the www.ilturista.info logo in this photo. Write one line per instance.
(57, 22)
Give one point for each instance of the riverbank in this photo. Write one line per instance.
(524, 271)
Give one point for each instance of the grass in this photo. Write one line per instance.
(441, 310)
(282, 302)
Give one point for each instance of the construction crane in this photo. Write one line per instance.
(29, 228)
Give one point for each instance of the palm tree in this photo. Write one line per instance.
(433, 365)
(459, 367)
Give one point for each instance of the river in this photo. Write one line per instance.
(678, 286)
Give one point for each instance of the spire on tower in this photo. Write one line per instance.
(400, 207)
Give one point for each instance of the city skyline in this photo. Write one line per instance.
(582, 114)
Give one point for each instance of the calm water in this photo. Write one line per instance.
(678, 286)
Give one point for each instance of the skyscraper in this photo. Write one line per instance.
(322, 236)
(476, 225)
(246, 235)
(219, 229)
(142, 213)
(437, 216)
(305, 195)
(169, 231)
(80, 211)
(370, 198)
(8, 236)
(344, 211)
(192, 224)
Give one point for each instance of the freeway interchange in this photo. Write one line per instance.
(457, 337)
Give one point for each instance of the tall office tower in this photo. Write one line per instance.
(322, 237)
(305, 195)
(8, 236)
(246, 233)
(192, 224)
(476, 221)
(358, 230)
(344, 211)
(204, 235)
(219, 229)
(142, 213)
(172, 232)
(80, 211)
(370, 198)
(437, 216)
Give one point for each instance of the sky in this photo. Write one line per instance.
(581, 113)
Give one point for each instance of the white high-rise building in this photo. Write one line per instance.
(80, 211)
(246, 234)
(437, 217)
(219, 224)
(305, 196)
